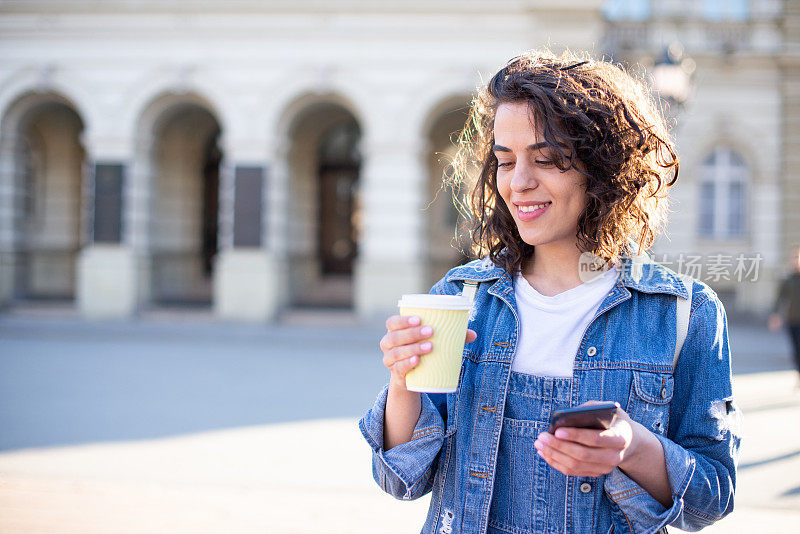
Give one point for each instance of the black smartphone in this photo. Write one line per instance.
(599, 416)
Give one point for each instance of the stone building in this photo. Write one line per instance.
(732, 205)
(256, 156)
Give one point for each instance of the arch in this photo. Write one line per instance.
(438, 92)
(306, 102)
(447, 104)
(157, 91)
(26, 86)
(42, 164)
(324, 187)
(162, 106)
(172, 210)
(18, 111)
(297, 89)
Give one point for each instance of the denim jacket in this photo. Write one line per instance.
(626, 355)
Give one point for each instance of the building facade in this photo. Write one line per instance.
(257, 156)
(732, 221)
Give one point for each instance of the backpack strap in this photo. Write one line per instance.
(470, 287)
(684, 308)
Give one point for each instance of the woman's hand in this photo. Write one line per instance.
(627, 444)
(404, 343)
(588, 452)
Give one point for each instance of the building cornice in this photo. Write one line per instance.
(460, 7)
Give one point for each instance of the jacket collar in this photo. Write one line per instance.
(637, 272)
(477, 271)
(643, 274)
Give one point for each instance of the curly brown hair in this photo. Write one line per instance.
(613, 129)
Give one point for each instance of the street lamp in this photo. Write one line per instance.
(672, 75)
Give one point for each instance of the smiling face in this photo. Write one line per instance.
(544, 201)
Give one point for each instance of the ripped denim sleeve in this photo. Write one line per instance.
(702, 444)
(405, 471)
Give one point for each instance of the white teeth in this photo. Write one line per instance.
(528, 209)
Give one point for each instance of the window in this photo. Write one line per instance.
(626, 9)
(723, 195)
(725, 9)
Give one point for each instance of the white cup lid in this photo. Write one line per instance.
(436, 302)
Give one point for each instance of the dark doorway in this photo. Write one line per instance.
(210, 221)
(338, 184)
(337, 240)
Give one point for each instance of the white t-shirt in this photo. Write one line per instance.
(551, 328)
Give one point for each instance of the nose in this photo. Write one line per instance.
(523, 178)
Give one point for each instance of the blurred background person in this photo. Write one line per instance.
(787, 308)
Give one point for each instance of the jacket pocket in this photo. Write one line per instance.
(524, 484)
(649, 400)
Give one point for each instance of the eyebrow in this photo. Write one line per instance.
(537, 146)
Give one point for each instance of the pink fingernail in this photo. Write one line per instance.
(561, 433)
(426, 346)
(426, 331)
(414, 321)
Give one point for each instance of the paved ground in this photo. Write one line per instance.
(179, 424)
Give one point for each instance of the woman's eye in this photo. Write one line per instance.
(505, 163)
(545, 163)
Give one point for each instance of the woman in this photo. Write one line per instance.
(574, 163)
(787, 307)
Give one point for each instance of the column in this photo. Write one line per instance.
(391, 253)
(249, 277)
(11, 203)
(107, 269)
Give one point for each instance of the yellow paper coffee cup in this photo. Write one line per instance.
(437, 371)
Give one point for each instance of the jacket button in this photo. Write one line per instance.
(664, 393)
(585, 487)
(591, 351)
